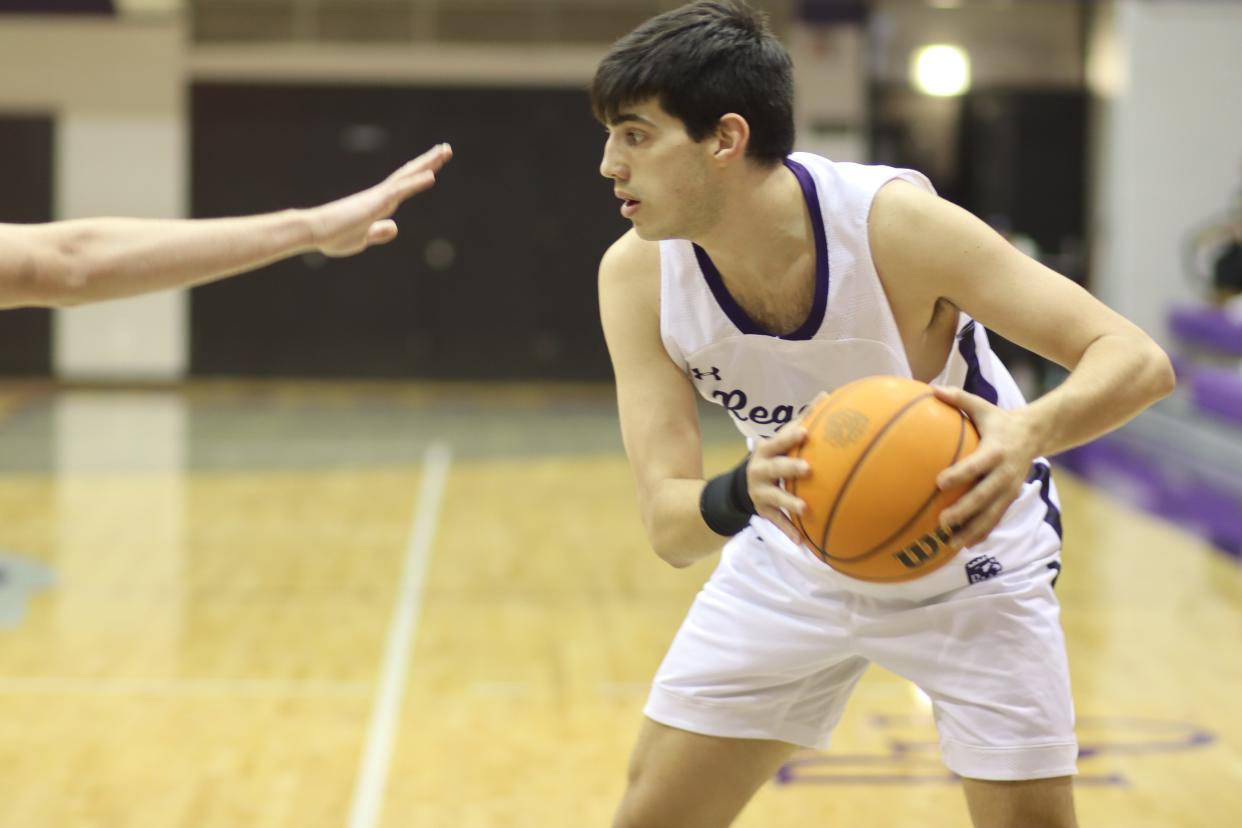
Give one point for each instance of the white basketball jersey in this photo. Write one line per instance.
(763, 380)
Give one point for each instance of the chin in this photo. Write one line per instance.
(652, 234)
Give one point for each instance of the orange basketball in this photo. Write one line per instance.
(872, 507)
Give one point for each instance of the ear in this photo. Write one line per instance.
(731, 138)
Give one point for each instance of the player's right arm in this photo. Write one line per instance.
(659, 415)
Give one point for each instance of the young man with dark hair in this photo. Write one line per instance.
(69, 263)
(758, 278)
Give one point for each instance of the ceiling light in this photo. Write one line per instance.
(941, 70)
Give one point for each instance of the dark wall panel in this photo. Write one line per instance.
(1024, 165)
(493, 275)
(25, 198)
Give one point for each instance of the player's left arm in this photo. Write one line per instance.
(927, 251)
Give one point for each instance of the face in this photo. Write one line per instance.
(664, 179)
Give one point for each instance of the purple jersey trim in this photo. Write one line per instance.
(976, 383)
(1041, 472)
(740, 319)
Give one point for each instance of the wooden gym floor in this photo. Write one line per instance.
(384, 605)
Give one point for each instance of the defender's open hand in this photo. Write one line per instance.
(354, 223)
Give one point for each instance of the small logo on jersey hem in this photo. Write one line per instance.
(983, 567)
(713, 372)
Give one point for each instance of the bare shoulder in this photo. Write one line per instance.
(923, 244)
(898, 203)
(630, 260)
(629, 294)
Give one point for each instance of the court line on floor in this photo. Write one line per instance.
(178, 687)
(372, 779)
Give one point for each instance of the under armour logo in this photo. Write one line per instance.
(714, 373)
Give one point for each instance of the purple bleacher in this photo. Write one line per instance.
(1148, 469)
(1207, 327)
(1175, 492)
(1219, 391)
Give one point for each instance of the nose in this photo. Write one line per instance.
(610, 166)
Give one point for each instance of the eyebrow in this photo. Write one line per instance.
(627, 117)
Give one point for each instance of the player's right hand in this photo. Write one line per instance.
(768, 468)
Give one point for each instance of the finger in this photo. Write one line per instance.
(769, 493)
(809, 407)
(382, 232)
(963, 472)
(775, 497)
(415, 185)
(784, 468)
(973, 405)
(985, 491)
(783, 523)
(977, 529)
(764, 469)
(987, 498)
(430, 161)
(785, 440)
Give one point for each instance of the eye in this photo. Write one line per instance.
(633, 136)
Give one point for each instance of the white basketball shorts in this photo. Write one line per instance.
(775, 641)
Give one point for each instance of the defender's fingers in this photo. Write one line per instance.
(382, 232)
(430, 161)
(415, 184)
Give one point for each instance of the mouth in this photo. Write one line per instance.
(629, 206)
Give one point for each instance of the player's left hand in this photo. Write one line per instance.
(998, 468)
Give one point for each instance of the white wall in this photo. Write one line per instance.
(1167, 76)
(830, 84)
(116, 89)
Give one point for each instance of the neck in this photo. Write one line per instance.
(764, 230)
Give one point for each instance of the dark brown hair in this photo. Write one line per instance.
(703, 61)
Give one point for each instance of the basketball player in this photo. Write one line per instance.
(87, 260)
(757, 278)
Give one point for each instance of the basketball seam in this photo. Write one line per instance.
(879, 547)
(858, 464)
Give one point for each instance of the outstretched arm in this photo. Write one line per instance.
(89, 260)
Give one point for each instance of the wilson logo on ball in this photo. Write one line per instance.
(872, 507)
(923, 550)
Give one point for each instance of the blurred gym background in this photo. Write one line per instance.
(1103, 137)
